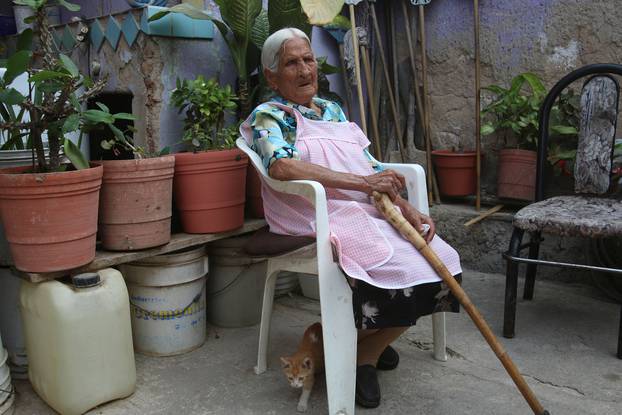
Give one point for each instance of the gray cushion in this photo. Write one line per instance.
(265, 243)
(590, 217)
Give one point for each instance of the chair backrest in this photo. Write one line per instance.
(599, 113)
(545, 113)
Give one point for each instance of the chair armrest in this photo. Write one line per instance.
(415, 184)
(311, 190)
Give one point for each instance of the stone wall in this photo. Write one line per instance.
(547, 37)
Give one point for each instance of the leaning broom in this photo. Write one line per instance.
(388, 210)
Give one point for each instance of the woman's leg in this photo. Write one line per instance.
(371, 346)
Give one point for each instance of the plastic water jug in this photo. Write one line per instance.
(79, 340)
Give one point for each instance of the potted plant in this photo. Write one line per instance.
(209, 183)
(135, 206)
(513, 115)
(49, 209)
(456, 172)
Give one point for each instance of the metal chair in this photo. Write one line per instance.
(589, 213)
(338, 328)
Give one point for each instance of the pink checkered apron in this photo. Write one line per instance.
(368, 247)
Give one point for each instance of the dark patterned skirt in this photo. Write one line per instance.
(378, 308)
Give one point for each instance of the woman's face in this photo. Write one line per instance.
(296, 76)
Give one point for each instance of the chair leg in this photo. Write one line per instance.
(339, 336)
(266, 315)
(530, 277)
(620, 337)
(511, 284)
(439, 336)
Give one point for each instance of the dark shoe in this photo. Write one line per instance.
(388, 360)
(367, 388)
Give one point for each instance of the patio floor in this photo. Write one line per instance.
(565, 347)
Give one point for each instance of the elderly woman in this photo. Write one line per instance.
(301, 136)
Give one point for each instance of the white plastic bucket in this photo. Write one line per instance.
(235, 286)
(309, 285)
(6, 388)
(11, 322)
(167, 301)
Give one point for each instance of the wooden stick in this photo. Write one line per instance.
(346, 82)
(478, 142)
(384, 205)
(396, 119)
(427, 109)
(370, 94)
(357, 69)
(483, 215)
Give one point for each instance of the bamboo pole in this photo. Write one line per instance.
(482, 216)
(346, 82)
(387, 79)
(357, 69)
(384, 205)
(370, 94)
(427, 107)
(478, 140)
(419, 105)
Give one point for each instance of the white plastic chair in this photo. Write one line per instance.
(338, 328)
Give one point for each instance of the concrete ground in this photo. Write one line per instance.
(565, 348)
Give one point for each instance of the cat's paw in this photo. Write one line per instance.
(302, 407)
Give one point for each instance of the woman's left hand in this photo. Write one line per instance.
(417, 219)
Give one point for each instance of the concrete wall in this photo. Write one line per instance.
(548, 37)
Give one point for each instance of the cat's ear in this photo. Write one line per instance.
(306, 363)
(285, 362)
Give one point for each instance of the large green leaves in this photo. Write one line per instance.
(240, 16)
(69, 65)
(69, 6)
(261, 29)
(287, 13)
(16, 65)
(321, 11)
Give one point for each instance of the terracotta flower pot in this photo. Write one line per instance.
(517, 174)
(456, 172)
(50, 219)
(136, 203)
(254, 203)
(209, 190)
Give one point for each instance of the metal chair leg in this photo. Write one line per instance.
(511, 284)
(620, 336)
(530, 276)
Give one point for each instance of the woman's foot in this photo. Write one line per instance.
(388, 360)
(367, 388)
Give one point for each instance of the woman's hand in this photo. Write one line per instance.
(416, 218)
(388, 181)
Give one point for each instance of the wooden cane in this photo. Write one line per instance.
(357, 64)
(388, 210)
(478, 141)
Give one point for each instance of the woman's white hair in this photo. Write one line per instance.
(274, 44)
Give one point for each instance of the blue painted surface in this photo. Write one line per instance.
(96, 34)
(68, 40)
(130, 29)
(113, 32)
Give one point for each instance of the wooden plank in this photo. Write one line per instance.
(483, 215)
(106, 259)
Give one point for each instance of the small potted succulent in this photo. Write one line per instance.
(49, 208)
(513, 115)
(210, 179)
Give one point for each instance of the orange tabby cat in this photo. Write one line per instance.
(301, 367)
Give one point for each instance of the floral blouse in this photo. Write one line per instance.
(274, 130)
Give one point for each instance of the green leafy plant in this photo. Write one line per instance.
(205, 104)
(245, 25)
(54, 101)
(513, 116)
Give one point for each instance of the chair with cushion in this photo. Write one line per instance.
(315, 256)
(592, 212)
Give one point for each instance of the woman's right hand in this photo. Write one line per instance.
(388, 181)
